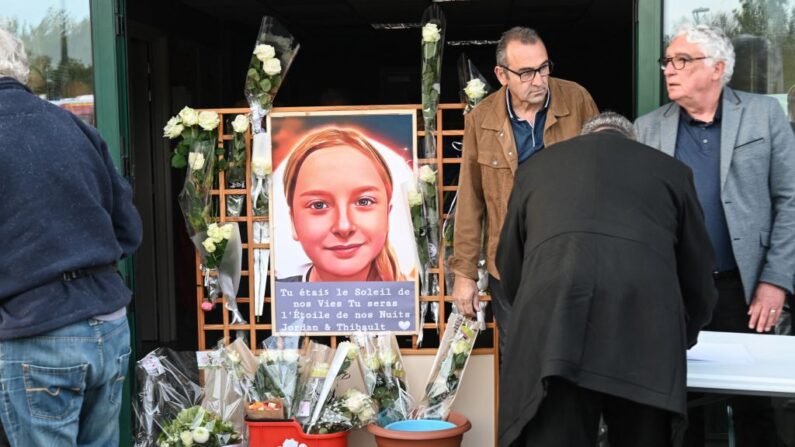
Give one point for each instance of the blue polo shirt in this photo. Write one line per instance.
(529, 137)
(698, 146)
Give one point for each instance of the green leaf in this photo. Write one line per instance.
(265, 85)
(178, 161)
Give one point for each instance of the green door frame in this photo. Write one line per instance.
(648, 38)
(110, 108)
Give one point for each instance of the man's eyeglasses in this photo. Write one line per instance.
(678, 62)
(528, 75)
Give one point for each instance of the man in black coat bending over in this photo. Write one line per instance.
(606, 259)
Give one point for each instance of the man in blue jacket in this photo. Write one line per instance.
(67, 218)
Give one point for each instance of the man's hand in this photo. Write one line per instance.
(766, 307)
(465, 295)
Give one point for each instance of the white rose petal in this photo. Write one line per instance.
(264, 52)
(415, 198)
(173, 128)
(367, 414)
(431, 33)
(427, 174)
(226, 231)
(460, 346)
(261, 166)
(200, 435)
(475, 89)
(209, 245)
(272, 66)
(208, 120)
(372, 363)
(387, 357)
(234, 357)
(240, 124)
(188, 116)
(196, 160)
(187, 438)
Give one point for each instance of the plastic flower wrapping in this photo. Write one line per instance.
(168, 382)
(352, 410)
(384, 376)
(448, 368)
(423, 204)
(221, 252)
(273, 54)
(474, 86)
(197, 426)
(227, 379)
(277, 374)
(344, 356)
(314, 368)
(235, 173)
(433, 29)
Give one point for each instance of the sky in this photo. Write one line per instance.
(30, 12)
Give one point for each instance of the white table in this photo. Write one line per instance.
(768, 370)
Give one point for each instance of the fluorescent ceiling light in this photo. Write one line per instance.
(391, 26)
(471, 43)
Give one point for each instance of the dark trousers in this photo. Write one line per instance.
(569, 417)
(753, 418)
(502, 312)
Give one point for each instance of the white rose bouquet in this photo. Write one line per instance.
(384, 377)
(314, 367)
(433, 27)
(273, 54)
(277, 374)
(196, 426)
(448, 368)
(352, 410)
(344, 356)
(191, 126)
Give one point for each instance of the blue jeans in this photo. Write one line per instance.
(64, 387)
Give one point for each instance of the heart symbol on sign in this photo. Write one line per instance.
(404, 325)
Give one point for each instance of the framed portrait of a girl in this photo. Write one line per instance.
(344, 255)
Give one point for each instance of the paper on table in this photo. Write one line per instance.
(724, 353)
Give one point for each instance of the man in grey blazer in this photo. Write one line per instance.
(742, 153)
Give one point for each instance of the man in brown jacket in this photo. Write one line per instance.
(531, 111)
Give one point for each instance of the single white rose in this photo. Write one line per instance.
(261, 166)
(196, 160)
(264, 52)
(188, 116)
(475, 89)
(415, 198)
(200, 435)
(209, 245)
(240, 124)
(460, 346)
(431, 33)
(388, 357)
(367, 414)
(355, 401)
(272, 66)
(234, 357)
(208, 120)
(187, 438)
(173, 128)
(427, 174)
(372, 363)
(226, 231)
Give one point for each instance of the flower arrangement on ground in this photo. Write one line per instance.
(448, 368)
(196, 426)
(384, 376)
(350, 411)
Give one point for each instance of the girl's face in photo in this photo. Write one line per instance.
(340, 213)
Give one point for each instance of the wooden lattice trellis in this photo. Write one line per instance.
(214, 326)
